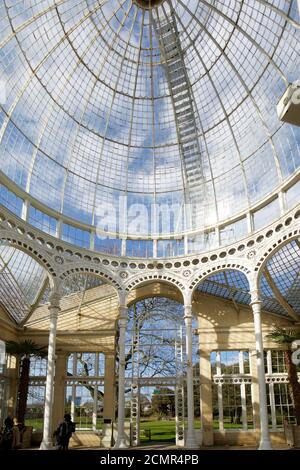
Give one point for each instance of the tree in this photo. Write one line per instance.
(147, 319)
(163, 401)
(151, 333)
(286, 338)
(25, 350)
(86, 367)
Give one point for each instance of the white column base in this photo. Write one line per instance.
(121, 444)
(47, 445)
(265, 445)
(191, 442)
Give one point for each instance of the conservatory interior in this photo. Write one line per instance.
(150, 222)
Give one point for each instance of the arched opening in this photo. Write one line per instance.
(24, 284)
(219, 303)
(85, 346)
(155, 368)
(284, 292)
(87, 355)
(228, 355)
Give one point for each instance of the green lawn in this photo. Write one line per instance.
(161, 430)
(164, 430)
(37, 423)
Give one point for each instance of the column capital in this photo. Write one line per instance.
(54, 300)
(188, 312)
(255, 297)
(187, 297)
(123, 297)
(123, 312)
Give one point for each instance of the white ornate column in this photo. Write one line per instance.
(243, 391)
(54, 308)
(59, 389)
(265, 442)
(123, 318)
(271, 391)
(190, 438)
(220, 392)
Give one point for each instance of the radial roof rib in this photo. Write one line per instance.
(232, 290)
(6, 317)
(283, 302)
(284, 269)
(97, 302)
(234, 287)
(75, 289)
(38, 300)
(170, 103)
(80, 283)
(293, 295)
(21, 278)
(12, 297)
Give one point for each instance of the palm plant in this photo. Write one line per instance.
(286, 338)
(25, 350)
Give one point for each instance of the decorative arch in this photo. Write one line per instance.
(149, 289)
(141, 280)
(273, 249)
(29, 249)
(98, 272)
(218, 269)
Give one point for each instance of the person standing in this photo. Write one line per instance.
(7, 434)
(16, 435)
(64, 432)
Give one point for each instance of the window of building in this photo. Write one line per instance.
(232, 399)
(266, 215)
(167, 248)
(84, 399)
(139, 248)
(36, 393)
(76, 235)
(42, 221)
(108, 245)
(11, 201)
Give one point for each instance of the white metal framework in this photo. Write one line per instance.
(92, 131)
(88, 119)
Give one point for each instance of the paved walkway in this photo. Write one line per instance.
(166, 446)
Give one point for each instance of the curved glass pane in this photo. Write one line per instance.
(110, 101)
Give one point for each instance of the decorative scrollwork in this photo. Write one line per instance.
(187, 273)
(123, 274)
(251, 254)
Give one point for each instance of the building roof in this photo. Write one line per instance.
(102, 98)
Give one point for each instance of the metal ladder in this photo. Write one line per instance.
(179, 389)
(135, 392)
(182, 99)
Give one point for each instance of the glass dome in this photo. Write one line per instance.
(117, 112)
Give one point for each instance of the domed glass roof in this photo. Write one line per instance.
(115, 104)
